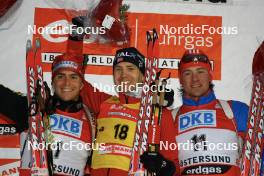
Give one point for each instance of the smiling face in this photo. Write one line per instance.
(67, 85)
(195, 81)
(128, 73)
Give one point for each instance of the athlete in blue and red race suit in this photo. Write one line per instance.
(207, 132)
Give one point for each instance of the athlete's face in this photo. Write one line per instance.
(195, 81)
(67, 85)
(127, 74)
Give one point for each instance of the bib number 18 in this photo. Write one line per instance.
(121, 131)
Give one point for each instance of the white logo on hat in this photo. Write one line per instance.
(122, 54)
(65, 64)
(195, 60)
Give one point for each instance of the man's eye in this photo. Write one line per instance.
(117, 69)
(59, 76)
(201, 71)
(74, 77)
(186, 73)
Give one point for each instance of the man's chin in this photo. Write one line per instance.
(68, 98)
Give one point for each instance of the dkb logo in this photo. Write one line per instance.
(200, 118)
(66, 125)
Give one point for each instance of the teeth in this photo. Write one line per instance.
(66, 90)
(195, 86)
(125, 82)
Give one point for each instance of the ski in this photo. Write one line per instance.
(145, 110)
(253, 143)
(38, 161)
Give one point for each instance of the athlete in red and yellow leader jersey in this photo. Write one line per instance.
(118, 116)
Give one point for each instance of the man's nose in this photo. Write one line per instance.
(67, 81)
(123, 73)
(194, 77)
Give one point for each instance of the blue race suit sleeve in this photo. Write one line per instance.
(240, 111)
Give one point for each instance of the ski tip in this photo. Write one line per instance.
(155, 34)
(28, 45)
(37, 42)
(258, 60)
(148, 35)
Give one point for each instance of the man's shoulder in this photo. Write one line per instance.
(235, 104)
(240, 110)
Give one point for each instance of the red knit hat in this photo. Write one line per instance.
(71, 62)
(194, 57)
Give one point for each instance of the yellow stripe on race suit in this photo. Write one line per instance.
(117, 134)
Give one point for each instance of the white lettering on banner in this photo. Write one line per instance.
(10, 169)
(200, 118)
(66, 125)
(191, 35)
(61, 24)
(7, 129)
(189, 41)
(204, 170)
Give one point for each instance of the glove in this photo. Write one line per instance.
(46, 104)
(108, 14)
(155, 162)
(42, 100)
(78, 22)
(168, 97)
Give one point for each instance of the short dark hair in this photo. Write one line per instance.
(131, 55)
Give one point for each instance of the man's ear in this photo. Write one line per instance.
(141, 78)
(52, 87)
(180, 80)
(179, 76)
(211, 76)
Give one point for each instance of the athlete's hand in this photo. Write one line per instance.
(155, 162)
(78, 22)
(42, 97)
(168, 97)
